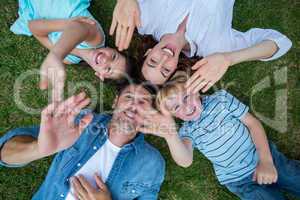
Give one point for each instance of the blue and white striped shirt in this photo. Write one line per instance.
(221, 136)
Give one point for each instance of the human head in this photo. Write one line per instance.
(108, 63)
(125, 106)
(174, 100)
(161, 60)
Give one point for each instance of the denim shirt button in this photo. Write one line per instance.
(78, 165)
(95, 148)
(133, 191)
(62, 195)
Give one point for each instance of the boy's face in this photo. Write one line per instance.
(184, 106)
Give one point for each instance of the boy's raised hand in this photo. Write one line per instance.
(152, 122)
(53, 75)
(265, 173)
(58, 130)
(126, 17)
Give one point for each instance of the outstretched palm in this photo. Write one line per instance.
(58, 130)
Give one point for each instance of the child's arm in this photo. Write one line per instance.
(266, 172)
(85, 28)
(181, 149)
(154, 123)
(74, 32)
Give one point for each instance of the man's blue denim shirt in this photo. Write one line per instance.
(137, 172)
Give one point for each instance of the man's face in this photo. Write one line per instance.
(161, 61)
(126, 105)
(108, 63)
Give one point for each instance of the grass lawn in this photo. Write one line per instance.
(282, 77)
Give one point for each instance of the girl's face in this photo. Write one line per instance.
(184, 106)
(108, 63)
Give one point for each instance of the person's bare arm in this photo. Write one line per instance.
(20, 150)
(87, 31)
(57, 132)
(266, 172)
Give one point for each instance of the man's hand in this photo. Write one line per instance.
(265, 173)
(153, 122)
(53, 72)
(209, 70)
(58, 130)
(126, 17)
(84, 191)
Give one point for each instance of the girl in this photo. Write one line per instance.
(71, 34)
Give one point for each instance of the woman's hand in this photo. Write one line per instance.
(126, 17)
(265, 173)
(84, 191)
(209, 70)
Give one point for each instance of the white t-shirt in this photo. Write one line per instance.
(101, 163)
(209, 26)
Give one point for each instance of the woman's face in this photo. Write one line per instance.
(108, 63)
(161, 61)
(184, 106)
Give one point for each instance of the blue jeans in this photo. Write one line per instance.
(288, 180)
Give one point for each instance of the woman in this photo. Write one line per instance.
(195, 28)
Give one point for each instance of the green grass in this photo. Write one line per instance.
(19, 54)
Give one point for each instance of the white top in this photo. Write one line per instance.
(209, 26)
(101, 163)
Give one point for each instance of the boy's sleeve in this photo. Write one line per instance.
(254, 36)
(30, 131)
(236, 108)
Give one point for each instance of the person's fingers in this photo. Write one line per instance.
(118, 35)
(199, 64)
(123, 36)
(85, 184)
(199, 83)
(129, 36)
(68, 105)
(254, 177)
(76, 110)
(207, 87)
(194, 77)
(100, 183)
(43, 80)
(78, 188)
(199, 87)
(137, 19)
(48, 112)
(259, 179)
(113, 26)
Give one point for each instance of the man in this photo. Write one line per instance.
(90, 148)
(195, 28)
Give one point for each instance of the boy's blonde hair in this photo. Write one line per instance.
(172, 87)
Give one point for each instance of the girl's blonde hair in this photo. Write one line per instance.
(172, 87)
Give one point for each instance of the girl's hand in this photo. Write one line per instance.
(126, 17)
(209, 70)
(84, 191)
(265, 173)
(53, 72)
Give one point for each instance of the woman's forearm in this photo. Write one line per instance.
(181, 153)
(20, 150)
(263, 50)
